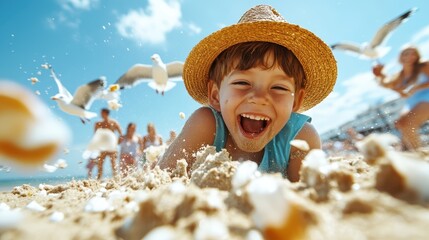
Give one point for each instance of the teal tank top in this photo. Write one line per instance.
(277, 151)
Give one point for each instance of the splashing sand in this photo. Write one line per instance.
(337, 198)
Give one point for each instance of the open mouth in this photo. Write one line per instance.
(253, 125)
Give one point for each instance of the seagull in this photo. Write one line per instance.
(156, 75)
(78, 104)
(375, 49)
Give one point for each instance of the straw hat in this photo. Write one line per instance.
(264, 23)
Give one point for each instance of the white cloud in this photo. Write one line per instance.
(194, 28)
(152, 24)
(221, 25)
(422, 34)
(69, 17)
(72, 5)
(62, 19)
(421, 39)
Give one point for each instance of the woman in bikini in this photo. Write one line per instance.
(412, 83)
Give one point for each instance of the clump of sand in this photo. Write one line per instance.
(337, 198)
(213, 169)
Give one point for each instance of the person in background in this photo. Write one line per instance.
(172, 137)
(131, 149)
(153, 147)
(112, 126)
(151, 139)
(412, 83)
(92, 162)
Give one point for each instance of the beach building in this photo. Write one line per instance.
(378, 118)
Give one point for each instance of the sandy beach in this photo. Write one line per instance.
(90, 88)
(353, 197)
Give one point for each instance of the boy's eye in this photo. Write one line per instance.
(281, 88)
(241, 83)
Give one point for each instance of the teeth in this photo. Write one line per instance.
(255, 117)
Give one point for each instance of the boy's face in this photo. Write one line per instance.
(255, 105)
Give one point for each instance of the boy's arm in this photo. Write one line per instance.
(199, 130)
(309, 134)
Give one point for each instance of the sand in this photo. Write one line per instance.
(341, 198)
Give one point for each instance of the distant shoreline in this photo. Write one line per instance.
(6, 185)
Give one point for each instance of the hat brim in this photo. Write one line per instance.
(314, 55)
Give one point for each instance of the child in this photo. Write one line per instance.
(255, 76)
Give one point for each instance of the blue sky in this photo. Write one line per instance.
(85, 39)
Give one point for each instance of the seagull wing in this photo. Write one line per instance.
(85, 94)
(350, 47)
(384, 32)
(135, 75)
(61, 89)
(162, 88)
(175, 69)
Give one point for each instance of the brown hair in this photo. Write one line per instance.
(130, 124)
(106, 110)
(416, 66)
(151, 125)
(244, 56)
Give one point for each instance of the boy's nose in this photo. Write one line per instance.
(258, 96)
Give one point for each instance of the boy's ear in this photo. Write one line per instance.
(213, 94)
(299, 97)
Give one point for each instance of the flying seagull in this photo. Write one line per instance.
(158, 75)
(375, 49)
(78, 104)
